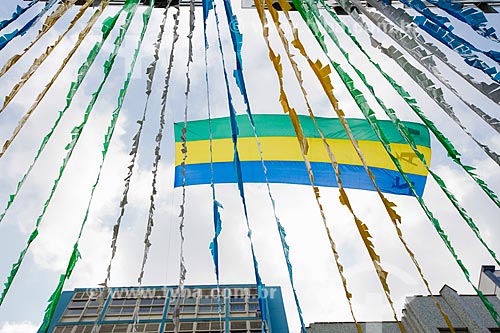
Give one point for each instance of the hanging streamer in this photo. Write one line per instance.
(237, 41)
(47, 25)
(239, 177)
(7, 38)
(131, 8)
(370, 116)
(470, 15)
(418, 76)
(402, 129)
(108, 25)
(416, 45)
(182, 266)
(460, 46)
(451, 150)
(75, 133)
(19, 11)
(214, 245)
(151, 70)
(275, 59)
(322, 74)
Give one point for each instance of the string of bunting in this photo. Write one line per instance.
(370, 116)
(421, 49)
(470, 15)
(37, 62)
(214, 244)
(75, 133)
(182, 266)
(403, 130)
(8, 37)
(15, 15)
(237, 41)
(50, 21)
(416, 74)
(107, 26)
(239, 177)
(76, 255)
(275, 59)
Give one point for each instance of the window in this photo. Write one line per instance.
(212, 308)
(238, 307)
(148, 328)
(114, 328)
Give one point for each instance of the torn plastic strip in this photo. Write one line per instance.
(275, 59)
(35, 65)
(239, 177)
(19, 11)
(75, 134)
(472, 16)
(50, 21)
(416, 45)
(7, 38)
(322, 74)
(182, 266)
(370, 116)
(463, 48)
(405, 133)
(214, 245)
(396, 121)
(237, 41)
(451, 150)
(82, 72)
(418, 76)
(132, 7)
(133, 152)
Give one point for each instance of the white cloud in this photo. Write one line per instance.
(18, 327)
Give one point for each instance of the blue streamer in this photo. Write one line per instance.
(237, 40)
(19, 11)
(461, 46)
(214, 245)
(7, 38)
(237, 167)
(472, 16)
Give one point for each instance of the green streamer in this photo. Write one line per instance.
(108, 25)
(131, 7)
(76, 132)
(402, 129)
(370, 116)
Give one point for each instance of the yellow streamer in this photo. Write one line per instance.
(42, 94)
(322, 73)
(304, 149)
(47, 25)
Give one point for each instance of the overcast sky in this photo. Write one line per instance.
(317, 281)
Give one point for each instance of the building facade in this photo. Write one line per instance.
(489, 280)
(82, 310)
(467, 313)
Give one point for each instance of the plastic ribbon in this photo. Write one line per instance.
(396, 121)
(108, 25)
(35, 65)
(7, 38)
(214, 245)
(370, 116)
(418, 76)
(182, 266)
(322, 74)
(50, 21)
(19, 11)
(131, 8)
(472, 16)
(75, 133)
(460, 46)
(275, 59)
(239, 177)
(237, 41)
(418, 47)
